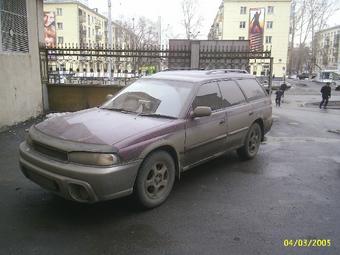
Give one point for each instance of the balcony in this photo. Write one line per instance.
(99, 37)
(82, 19)
(98, 24)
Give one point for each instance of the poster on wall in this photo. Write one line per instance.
(49, 26)
(256, 27)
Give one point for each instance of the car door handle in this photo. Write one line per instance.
(221, 122)
(251, 113)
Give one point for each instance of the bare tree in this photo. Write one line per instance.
(138, 34)
(310, 16)
(192, 21)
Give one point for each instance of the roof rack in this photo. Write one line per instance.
(221, 71)
(183, 69)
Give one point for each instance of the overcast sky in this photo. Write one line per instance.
(170, 11)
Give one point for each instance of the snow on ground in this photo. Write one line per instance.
(56, 114)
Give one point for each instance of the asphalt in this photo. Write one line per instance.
(227, 206)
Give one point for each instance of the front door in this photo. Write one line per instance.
(206, 136)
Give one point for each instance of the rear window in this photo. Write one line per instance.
(231, 93)
(251, 89)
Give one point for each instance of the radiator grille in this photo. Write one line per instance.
(50, 152)
(13, 26)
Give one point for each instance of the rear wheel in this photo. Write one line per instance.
(155, 179)
(252, 143)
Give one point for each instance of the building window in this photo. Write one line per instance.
(269, 24)
(13, 26)
(60, 25)
(242, 24)
(89, 30)
(88, 19)
(59, 12)
(243, 10)
(241, 38)
(270, 9)
(268, 39)
(60, 40)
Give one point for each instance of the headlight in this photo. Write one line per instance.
(96, 159)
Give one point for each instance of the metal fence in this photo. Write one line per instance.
(103, 65)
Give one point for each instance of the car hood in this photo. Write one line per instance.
(99, 126)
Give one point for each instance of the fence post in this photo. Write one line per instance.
(195, 54)
(270, 80)
(44, 74)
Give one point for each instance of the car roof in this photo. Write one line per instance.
(199, 76)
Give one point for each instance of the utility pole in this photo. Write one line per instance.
(159, 23)
(313, 47)
(110, 37)
(293, 35)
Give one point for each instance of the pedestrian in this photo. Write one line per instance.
(279, 94)
(283, 88)
(326, 94)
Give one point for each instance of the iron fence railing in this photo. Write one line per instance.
(101, 64)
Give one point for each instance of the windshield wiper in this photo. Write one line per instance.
(157, 115)
(119, 110)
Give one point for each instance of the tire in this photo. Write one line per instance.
(155, 179)
(252, 143)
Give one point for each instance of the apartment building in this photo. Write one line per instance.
(70, 21)
(264, 23)
(327, 48)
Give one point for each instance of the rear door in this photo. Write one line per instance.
(206, 136)
(256, 96)
(237, 113)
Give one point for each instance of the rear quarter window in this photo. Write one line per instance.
(252, 89)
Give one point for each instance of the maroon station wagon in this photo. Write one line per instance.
(144, 137)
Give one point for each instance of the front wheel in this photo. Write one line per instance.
(155, 179)
(252, 143)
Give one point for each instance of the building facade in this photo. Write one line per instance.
(21, 31)
(73, 22)
(264, 23)
(327, 48)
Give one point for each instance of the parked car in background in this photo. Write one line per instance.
(303, 76)
(149, 133)
(276, 82)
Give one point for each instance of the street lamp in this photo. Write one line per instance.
(110, 37)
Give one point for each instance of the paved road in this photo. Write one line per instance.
(291, 190)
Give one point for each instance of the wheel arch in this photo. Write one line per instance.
(172, 152)
(261, 123)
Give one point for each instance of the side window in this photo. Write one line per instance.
(208, 95)
(231, 93)
(252, 89)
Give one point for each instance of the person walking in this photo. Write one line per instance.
(326, 94)
(283, 87)
(278, 94)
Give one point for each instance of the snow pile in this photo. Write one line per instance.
(56, 114)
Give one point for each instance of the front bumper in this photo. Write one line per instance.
(87, 184)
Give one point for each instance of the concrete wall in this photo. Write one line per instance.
(20, 83)
(70, 98)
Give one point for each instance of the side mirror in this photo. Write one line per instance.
(108, 97)
(201, 111)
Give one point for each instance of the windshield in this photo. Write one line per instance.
(152, 97)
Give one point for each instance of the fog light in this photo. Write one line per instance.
(79, 192)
